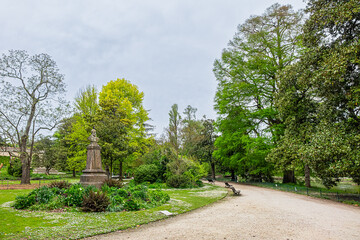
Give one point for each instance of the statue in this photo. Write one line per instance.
(93, 174)
(93, 138)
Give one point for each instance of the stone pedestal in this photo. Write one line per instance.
(93, 174)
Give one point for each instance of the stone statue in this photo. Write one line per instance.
(93, 174)
(93, 138)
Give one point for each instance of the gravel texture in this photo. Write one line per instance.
(258, 213)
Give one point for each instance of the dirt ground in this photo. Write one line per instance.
(257, 214)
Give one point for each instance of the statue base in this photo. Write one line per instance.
(95, 177)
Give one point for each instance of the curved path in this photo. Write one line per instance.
(258, 213)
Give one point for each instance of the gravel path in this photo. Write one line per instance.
(257, 214)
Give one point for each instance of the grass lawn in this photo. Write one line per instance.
(16, 224)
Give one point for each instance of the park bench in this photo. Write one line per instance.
(236, 192)
(227, 185)
(211, 180)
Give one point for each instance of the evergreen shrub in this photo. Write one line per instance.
(146, 173)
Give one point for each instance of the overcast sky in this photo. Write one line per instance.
(165, 47)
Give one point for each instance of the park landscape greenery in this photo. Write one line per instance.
(287, 101)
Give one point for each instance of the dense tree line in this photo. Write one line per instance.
(288, 94)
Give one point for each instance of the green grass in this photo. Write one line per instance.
(72, 225)
(42, 181)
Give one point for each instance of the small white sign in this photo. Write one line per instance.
(167, 213)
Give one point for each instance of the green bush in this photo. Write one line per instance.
(44, 195)
(158, 196)
(74, 195)
(95, 202)
(15, 168)
(116, 200)
(199, 183)
(146, 173)
(131, 198)
(113, 183)
(56, 203)
(131, 205)
(178, 181)
(23, 201)
(142, 195)
(119, 192)
(5, 160)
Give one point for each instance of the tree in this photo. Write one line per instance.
(174, 127)
(247, 84)
(121, 106)
(190, 132)
(205, 144)
(45, 154)
(322, 91)
(76, 130)
(31, 88)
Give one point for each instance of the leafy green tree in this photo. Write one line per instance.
(174, 129)
(204, 144)
(45, 154)
(190, 132)
(76, 130)
(247, 84)
(77, 142)
(322, 89)
(31, 101)
(121, 106)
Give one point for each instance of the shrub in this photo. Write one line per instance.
(178, 181)
(141, 194)
(56, 203)
(199, 183)
(60, 184)
(113, 183)
(157, 185)
(116, 200)
(95, 202)
(23, 202)
(120, 192)
(131, 205)
(74, 195)
(159, 197)
(146, 173)
(15, 168)
(44, 195)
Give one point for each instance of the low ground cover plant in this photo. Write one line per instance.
(75, 197)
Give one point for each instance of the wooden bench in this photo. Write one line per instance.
(236, 192)
(211, 180)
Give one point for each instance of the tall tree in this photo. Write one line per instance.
(174, 127)
(122, 105)
(247, 84)
(190, 131)
(77, 128)
(45, 154)
(31, 90)
(204, 144)
(325, 88)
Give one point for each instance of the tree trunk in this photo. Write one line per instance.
(232, 175)
(107, 169)
(121, 171)
(289, 176)
(213, 170)
(24, 157)
(74, 173)
(307, 176)
(25, 177)
(25, 162)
